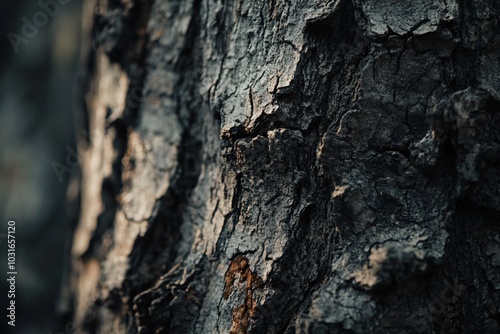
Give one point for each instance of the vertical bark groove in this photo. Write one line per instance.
(307, 167)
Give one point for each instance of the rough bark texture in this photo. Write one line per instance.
(305, 166)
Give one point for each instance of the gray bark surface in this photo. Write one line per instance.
(281, 167)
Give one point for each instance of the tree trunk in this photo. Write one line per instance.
(279, 167)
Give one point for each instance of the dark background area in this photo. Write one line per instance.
(37, 95)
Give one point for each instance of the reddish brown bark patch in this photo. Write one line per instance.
(243, 313)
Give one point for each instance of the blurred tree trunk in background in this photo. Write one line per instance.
(305, 166)
(36, 126)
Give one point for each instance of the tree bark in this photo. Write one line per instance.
(279, 167)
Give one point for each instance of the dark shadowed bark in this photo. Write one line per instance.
(290, 167)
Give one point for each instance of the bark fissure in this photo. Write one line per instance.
(307, 167)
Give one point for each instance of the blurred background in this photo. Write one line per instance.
(38, 80)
